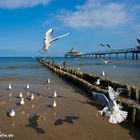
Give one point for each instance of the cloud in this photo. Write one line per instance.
(12, 4)
(94, 14)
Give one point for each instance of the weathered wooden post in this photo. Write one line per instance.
(137, 117)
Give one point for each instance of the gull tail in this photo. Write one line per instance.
(118, 117)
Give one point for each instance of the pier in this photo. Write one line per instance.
(129, 100)
(134, 52)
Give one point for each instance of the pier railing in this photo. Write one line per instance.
(133, 51)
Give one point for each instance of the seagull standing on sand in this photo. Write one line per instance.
(11, 113)
(22, 101)
(49, 80)
(20, 95)
(48, 39)
(55, 94)
(9, 87)
(111, 108)
(103, 73)
(10, 94)
(32, 97)
(28, 93)
(105, 61)
(54, 103)
(105, 45)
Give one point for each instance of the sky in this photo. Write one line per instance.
(23, 25)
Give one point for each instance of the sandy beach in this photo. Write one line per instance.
(76, 117)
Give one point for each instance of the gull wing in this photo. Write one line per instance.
(100, 98)
(54, 39)
(109, 61)
(48, 35)
(101, 59)
(108, 45)
(138, 40)
(122, 91)
(101, 44)
(112, 94)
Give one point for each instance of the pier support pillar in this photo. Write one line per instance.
(95, 55)
(125, 55)
(110, 56)
(133, 55)
(116, 55)
(136, 56)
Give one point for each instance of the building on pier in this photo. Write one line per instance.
(73, 53)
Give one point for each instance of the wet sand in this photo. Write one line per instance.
(76, 117)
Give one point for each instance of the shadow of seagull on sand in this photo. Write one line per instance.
(34, 124)
(67, 119)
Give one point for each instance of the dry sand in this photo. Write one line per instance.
(76, 117)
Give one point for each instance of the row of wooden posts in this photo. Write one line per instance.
(129, 100)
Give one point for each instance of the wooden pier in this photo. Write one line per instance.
(102, 54)
(130, 100)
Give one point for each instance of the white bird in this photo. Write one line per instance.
(48, 39)
(49, 80)
(28, 93)
(28, 86)
(54, 103)
(9, 87)
(97, 82)
(10, 94)
(20, 95)
(78, 69)
(22, 102)
(32, 97)
(11, 113)
(105, 61)
(55, 94)
(111, 109)
(103, 73)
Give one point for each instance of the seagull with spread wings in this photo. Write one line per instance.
(105, 45)
(111, 108)
(105, 61)
(48, 39)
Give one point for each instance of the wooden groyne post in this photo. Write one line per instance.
(130, 99)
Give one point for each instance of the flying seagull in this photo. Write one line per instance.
(111, 108)
(104, 45)
(105, 61)
(138, 40)
(48, 39)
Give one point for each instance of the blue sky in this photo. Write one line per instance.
(90, 22)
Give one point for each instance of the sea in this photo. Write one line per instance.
(21, 70)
